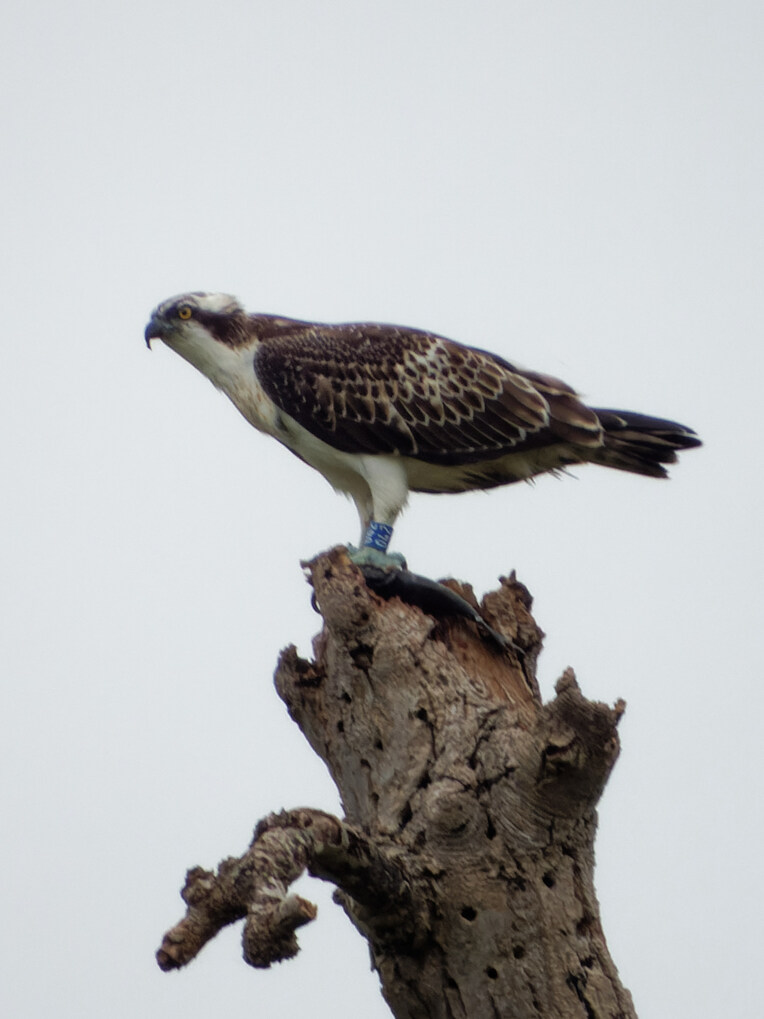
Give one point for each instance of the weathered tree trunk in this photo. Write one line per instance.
(466, 853)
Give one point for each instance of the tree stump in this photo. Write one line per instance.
(466, 853)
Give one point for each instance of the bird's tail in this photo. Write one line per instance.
(641, 444)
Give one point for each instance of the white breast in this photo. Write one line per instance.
(230, 369)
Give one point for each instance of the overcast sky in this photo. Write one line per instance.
(576, 186)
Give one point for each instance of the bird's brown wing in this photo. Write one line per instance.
(369, 388)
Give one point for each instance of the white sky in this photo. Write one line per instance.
(577, 186)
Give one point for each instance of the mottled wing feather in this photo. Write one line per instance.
(369, 388)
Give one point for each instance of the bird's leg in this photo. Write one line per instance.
(373, 550)
(379, 501)
(377, 535)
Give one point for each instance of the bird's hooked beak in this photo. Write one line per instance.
(155, 330)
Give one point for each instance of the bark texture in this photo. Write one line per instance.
(466, 853)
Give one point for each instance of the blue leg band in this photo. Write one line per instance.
(378, 536)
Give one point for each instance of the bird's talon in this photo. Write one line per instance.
(374, 557)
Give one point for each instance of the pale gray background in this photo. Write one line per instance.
(577, 186)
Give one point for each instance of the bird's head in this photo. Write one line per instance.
(179, 318)
(203, 328)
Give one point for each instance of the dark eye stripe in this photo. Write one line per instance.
(226, 328)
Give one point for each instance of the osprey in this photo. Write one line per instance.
(384, 410)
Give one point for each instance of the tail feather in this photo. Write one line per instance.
(641, 444)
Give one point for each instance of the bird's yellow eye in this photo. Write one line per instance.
(184, 312)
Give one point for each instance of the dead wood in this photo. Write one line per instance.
(466, 853)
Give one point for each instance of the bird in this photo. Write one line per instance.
(384, 410)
